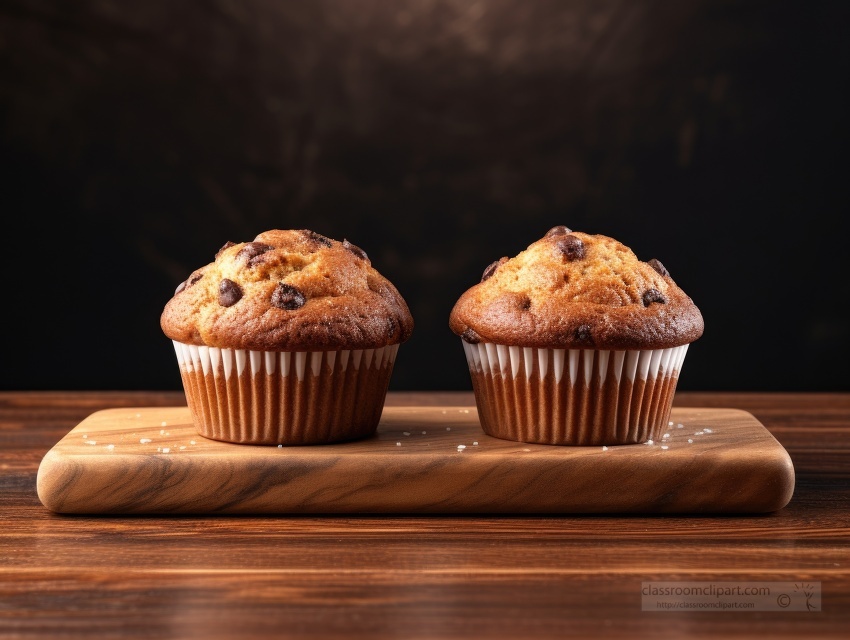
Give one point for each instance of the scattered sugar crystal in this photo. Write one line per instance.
(163, 424)
(690, 440)
(191, 442)
(145, 440)
(707, 430)
(398, 444)
(407, 433)
(280, 446)
(183, 446)
(670, 423)
(448, 428)
(604, 448)
(664, 446)
(665, 436)
(526, 449)
(424, 432)
(461, 447)
(698, 433)
(680, 426)
(650, 442)
(85, 435)
(110, 446)
(465, 411)
(475, 444)
(162, 432)
(166, 449)
(91, 441)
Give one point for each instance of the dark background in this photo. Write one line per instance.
(438, 135)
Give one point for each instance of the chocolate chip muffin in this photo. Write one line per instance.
(288, 339)
(575, 341)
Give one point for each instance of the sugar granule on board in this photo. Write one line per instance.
(144, 440)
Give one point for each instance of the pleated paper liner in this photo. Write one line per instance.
(290, 398)
(573, 396)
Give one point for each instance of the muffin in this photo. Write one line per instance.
(575, 341)
(288, 339)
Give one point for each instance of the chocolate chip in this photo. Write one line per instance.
(470, 336)
(491, 268)
(355, 250)
(558, 231)
(318, 238)
(252, 252)
(229, 293)
(188, 283)
(287, 297)
(583, 334)
(226, 245)
(660, 268)
(653, 295)
(571, 247)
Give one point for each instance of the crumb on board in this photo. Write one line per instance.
(664, 446)
(690, 440)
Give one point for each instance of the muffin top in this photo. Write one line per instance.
(288, 290)
(572, 290)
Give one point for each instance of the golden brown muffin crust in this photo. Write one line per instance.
(575, 290)
(288, 290)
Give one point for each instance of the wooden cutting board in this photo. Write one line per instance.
(422, 460)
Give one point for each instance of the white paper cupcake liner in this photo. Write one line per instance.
(573, 396)
(258, 397)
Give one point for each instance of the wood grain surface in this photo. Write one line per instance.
(421, 460)
(414, 576)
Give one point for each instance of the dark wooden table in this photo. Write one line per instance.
(414, 577)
